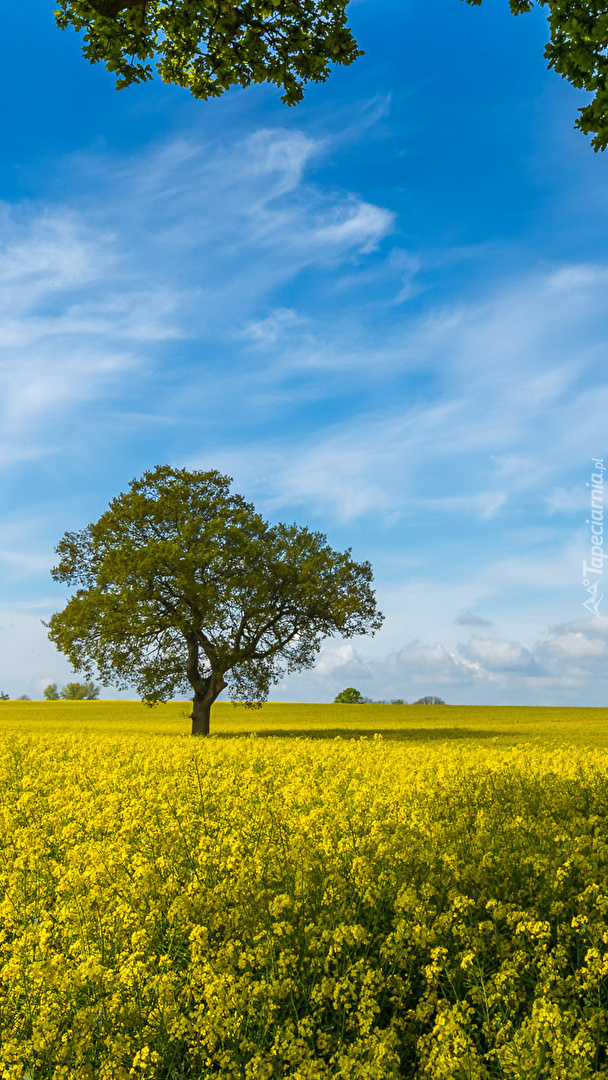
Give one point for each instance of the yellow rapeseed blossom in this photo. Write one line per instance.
(248, 908)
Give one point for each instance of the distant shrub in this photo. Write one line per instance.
(350, 696)
(430, 701)
(3, 696)
(72, 691)
(75, 691)
(24, 697)
(398, 701)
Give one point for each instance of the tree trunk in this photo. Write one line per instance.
(206, 688)
(204, 696)
(201, 714)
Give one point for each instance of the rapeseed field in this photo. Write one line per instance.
(313, 892)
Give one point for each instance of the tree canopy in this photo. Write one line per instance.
(182, 585)
(577, 50)
(350, 696)
(72, 691)
(209, 47)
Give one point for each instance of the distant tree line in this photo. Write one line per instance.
(72, 691)
(350, 696)
(87, 691)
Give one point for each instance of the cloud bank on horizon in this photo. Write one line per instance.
(397, 340)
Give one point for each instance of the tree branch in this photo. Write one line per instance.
(195, 679)
(280, 644)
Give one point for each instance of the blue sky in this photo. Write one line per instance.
(383, 312)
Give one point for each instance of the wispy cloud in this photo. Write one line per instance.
(71, 313)
(356, 226)
(269, 330)
(502, 404)
(567, 500)
(241, 217)
(81, 314)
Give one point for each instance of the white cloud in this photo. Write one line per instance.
(492, 654)
(576, 650)
(29, 661)
(277, 154)
(337, 660)
(43, 255)
(568, 664)
(421, 660)
(70, 312)
(356, 225)
(267, 331)
(567, 500)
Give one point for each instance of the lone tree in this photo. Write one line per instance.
(350, 696)
(209, 47)
(183, 585)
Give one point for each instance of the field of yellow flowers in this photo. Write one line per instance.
(314, 892)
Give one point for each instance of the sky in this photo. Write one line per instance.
(382, 312)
